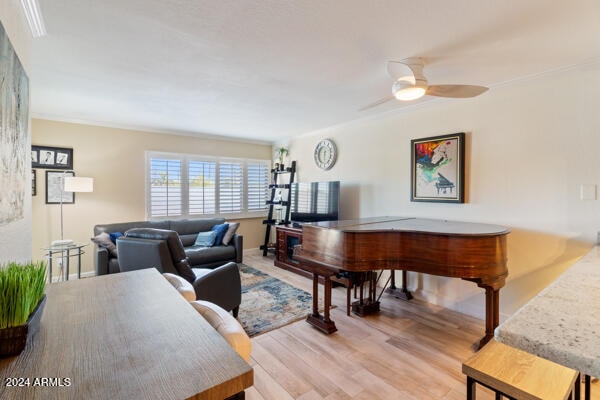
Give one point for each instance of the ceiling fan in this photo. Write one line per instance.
(410, 84)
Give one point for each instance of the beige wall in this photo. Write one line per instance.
(15, 244)
(115, 158)
(530, 145)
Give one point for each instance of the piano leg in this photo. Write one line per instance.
(492, 311)
(322, 322)
(403, 293)
(315, 295)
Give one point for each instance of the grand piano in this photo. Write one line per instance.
(471, 251)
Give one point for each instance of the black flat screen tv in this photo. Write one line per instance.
(315, 201)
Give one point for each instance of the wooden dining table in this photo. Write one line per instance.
(123, 336)
(562, 322)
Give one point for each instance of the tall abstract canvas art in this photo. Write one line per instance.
(14, 117)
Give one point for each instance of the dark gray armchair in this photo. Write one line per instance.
(160, 248)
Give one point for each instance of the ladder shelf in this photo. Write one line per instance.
(283, 202)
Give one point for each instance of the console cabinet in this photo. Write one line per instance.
(287, 238)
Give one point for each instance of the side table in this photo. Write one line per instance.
(64, 252)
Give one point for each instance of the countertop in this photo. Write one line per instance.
(562, 322)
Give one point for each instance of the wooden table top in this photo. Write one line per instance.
(124, 336)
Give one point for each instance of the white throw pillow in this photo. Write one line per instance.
(233, 226)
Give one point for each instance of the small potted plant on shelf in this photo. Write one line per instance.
(22, 301)
(281, 153)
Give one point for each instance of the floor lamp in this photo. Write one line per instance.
(73, 184)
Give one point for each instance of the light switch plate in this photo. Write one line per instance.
(587, 192)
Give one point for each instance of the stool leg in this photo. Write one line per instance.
(587, 387)
(471, 388)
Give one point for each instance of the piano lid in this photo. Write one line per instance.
(410, 224)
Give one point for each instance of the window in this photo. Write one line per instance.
(182, 185)
(165, 187)
(231, 187)
(202, 178)
(258, 175)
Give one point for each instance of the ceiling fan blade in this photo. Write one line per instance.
(399, 69)
(377, 103)
(455, 91)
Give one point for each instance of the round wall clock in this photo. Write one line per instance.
(325, 154)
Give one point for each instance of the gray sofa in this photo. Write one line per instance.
(188, 229)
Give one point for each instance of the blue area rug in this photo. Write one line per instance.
(268, 303)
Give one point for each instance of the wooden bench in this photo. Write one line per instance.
(516, 374)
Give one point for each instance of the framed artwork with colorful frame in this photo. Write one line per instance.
(438, 168)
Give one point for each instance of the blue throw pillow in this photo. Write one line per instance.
(114, 236)
(206, 239)
(221, 230)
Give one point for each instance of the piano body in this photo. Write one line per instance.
(471, 251)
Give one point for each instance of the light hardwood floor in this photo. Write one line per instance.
(410, 350)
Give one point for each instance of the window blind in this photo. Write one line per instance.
(165, 187)
(189, 185)
(258, 175)
(202, 177)
(230, 187)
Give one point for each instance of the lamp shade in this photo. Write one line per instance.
(78, 184)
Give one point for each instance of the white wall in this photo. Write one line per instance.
(530, 145)
(15, 244)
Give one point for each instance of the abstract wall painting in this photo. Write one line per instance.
(438, 168)
(14, 139)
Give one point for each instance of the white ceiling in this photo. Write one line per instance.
(270, 69)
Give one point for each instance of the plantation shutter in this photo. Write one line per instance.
(202, 177)
(258, 185)
(165, 187)
(231, 187)
(188, 185)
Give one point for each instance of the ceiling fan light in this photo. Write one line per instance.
(405, 90)
(410, 93)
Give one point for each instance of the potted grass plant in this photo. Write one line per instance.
(281, 153)
(22, 301)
